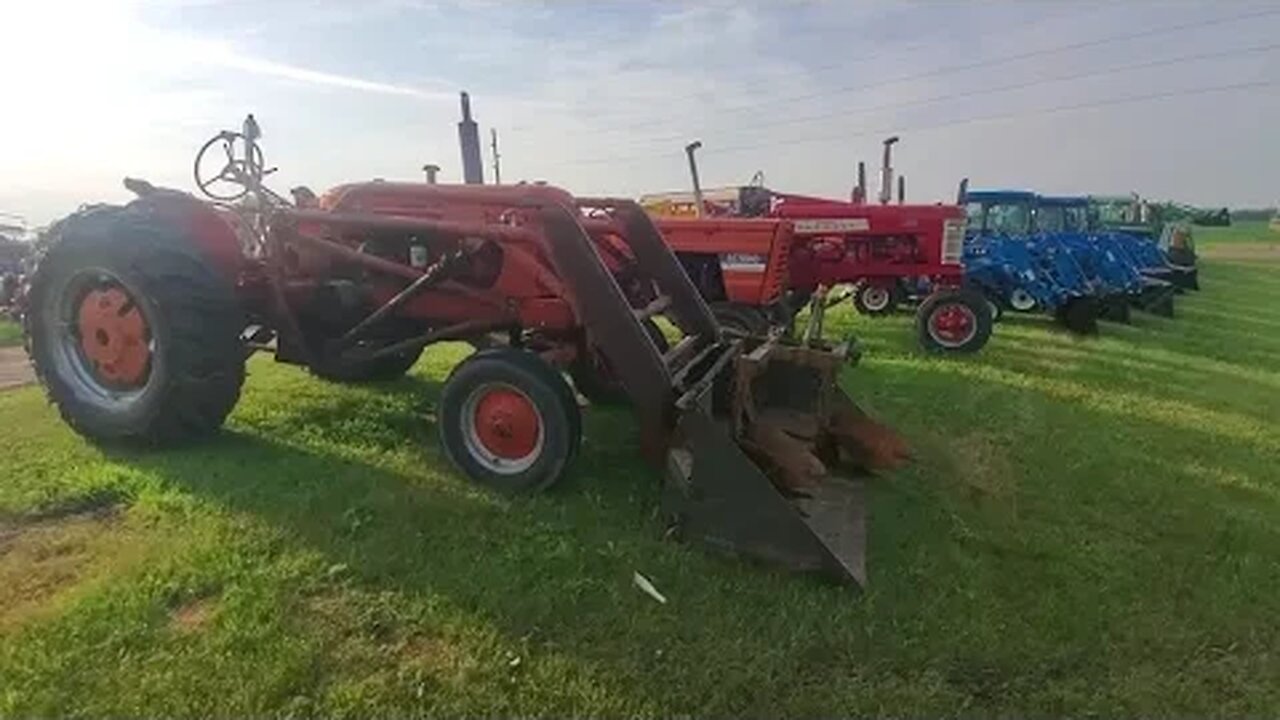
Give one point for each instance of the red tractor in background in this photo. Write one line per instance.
(720, 237)
(140, 319)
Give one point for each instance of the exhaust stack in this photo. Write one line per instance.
(886, 172)
(689, 150)
(860, 190)
(469, 140)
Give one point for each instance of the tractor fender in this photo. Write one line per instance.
(215, 232)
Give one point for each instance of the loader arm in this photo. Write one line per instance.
(751, 442)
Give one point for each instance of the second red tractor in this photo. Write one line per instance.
(758, 255)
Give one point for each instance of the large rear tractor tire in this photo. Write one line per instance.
(876, 300)
(508, 421)
(954, 321)
(595, 379)
(133, 333)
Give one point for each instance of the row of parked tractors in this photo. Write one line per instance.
(140, 318)
(962, 266)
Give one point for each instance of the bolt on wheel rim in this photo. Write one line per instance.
(502, 428)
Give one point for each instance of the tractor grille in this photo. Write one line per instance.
(952, 241)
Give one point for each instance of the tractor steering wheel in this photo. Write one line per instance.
(241, 169)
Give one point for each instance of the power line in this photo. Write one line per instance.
(956, 123)
(862, 59)
(978, 92)
(957, 68)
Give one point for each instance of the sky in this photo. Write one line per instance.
(1176, 100)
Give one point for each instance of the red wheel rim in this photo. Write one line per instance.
(504, 428)
(114, 337)
(953, 324)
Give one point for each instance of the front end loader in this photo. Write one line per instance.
(141, 318)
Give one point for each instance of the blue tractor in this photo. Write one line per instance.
(1159, 236)
(1021, 269)
(1115, 262)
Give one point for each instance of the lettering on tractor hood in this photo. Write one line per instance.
(824, 226)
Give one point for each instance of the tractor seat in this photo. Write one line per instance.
(303, 197)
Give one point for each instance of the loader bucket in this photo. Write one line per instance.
(756, 441)
(778, 476)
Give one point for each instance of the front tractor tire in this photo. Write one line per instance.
(1079, 315)
(875, 300)
(954, 322)
(740, 320)
(133, 333)
(508, 421)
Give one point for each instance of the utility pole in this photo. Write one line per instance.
(497, 165)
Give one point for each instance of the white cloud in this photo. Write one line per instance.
(601, 98)
(226, 57)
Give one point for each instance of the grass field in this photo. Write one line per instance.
(1090, 527)
(10, 333)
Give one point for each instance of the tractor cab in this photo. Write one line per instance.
(1062, 214)
(1000, 212)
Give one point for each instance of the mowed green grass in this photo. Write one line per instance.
(10, 333)
(1091, 526)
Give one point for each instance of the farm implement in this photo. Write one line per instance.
(758, 255)
(141, 317)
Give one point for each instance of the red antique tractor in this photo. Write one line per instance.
(817, 242)
(140, 320)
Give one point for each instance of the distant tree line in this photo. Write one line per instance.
(1253, 214)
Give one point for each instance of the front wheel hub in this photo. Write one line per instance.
(875, 298)
(953, 324)
(1021, 300)
(114, 336)
(503, 428)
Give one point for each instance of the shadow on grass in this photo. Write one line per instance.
(552, 572)
(971, 605)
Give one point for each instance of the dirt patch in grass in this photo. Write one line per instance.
(370, 633)
(1244, 252)
(15, 370)
(43, 555)
(191, 616)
